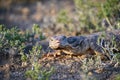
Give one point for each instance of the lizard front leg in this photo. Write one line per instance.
(55, 53)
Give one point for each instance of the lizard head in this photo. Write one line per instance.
(61, 42)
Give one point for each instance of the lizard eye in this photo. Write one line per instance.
(71, 39)
(51, 39)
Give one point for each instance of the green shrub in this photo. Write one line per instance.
(36, 72)
(37, 31)
(15, 38)
(110, 11)
(117, 77)
(11, 39)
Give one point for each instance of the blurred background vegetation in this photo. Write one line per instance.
(69, 17)
(31, 21)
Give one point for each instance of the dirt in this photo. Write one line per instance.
(65, 68)
(69, 68)
(11, 69)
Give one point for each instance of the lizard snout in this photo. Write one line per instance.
(56, 41)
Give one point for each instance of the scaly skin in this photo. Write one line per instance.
(79, 45)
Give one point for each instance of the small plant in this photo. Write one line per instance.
(109, 47)
(33, 73)
(16, 38)
(88, 64)
(11, 39)
(35, 53)
(37, 32)
(91, 64)
(36, 72)
(117, 77)
(24, 58)
(116, 58)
